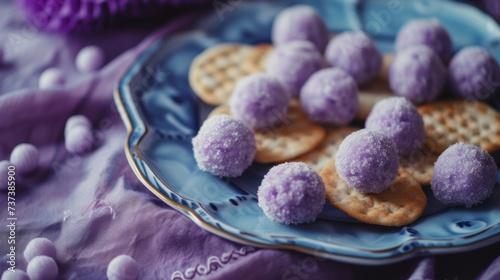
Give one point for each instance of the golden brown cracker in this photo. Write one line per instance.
(401, 204)
(257, 60)
(420, 166)
(452, 121)
(327, 149)
(214, 72)
(293, 136)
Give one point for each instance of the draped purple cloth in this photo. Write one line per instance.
(93, 207)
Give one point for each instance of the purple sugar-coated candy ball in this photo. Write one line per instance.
(300, 23)
(398, 119)
(51, 78)
(259, 101)
(75, 121)
(42, 268)
(123, 267)
(463, 175)
(355, 53)
(292, 193)
(330, 96)
(224, 146)
(474, 73)
(368, 161)
(428, 32)
(4, 174)
(25, 158)
(293, 63)
(78, 140)
(90, 59)
(39, 247)
(17, 274)
(417, 74)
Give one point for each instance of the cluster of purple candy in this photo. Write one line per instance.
(368, 160)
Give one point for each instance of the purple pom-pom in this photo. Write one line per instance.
(300, 23)
(292, 193)
(224, 146)
(259, 101)
(90, 59)
(42, 268)
(474, 73)
(25, 158)
(398, 119)
(417, 74)
(463, 175)
(17, 274)
(355, 53)
(293, 63)
(428, 32)
(330, 96)
(123, 267)
(368, 161)
(51, 78)
(39, 247)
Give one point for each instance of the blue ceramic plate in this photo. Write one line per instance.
(162, 115)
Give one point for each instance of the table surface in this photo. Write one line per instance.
(94, 208)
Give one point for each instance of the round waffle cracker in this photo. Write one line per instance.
(257, 60)
(401, 204)
(295, 135)
(214, 72)
(452, 121)
(327, 149)
(421, 167)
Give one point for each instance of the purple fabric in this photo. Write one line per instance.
(94, 208)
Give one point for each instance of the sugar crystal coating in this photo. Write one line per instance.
(25, 158)
(39, 247)
(330, 96)
(428, 32)
(17, 274)
(367, 161)
(224, 146)
(90, 59)
(292, 193)
(355, 53)
(464, 174)
(293, 63)
(398, 119)
(417, 74)
(42, 268)
(259, 101)
(300, 23)
(123, 267)
(474, 73)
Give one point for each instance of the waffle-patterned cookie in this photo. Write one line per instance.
(327, 149)
(401, 204)
(214, 72)
(452, 121)
(257, 60)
